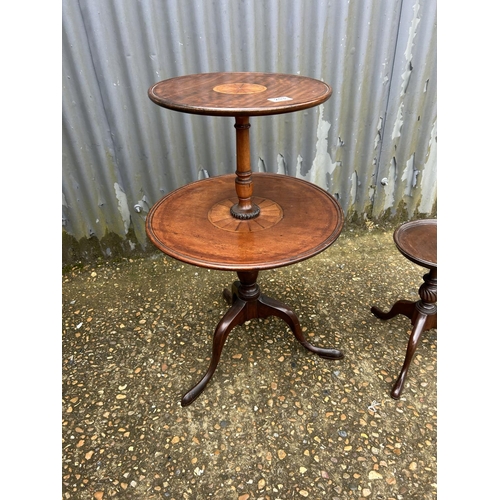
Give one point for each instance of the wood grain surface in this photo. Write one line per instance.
(310, 220)
(417, 241)
(239, 94)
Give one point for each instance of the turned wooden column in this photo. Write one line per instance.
(428, 294)
(245, 208)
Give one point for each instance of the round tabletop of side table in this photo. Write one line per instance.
(417, 241)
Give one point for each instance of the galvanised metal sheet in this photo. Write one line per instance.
(407, 165)
(372, 144)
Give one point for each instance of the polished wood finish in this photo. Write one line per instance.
(303, 220)
(417, 241)
(179, 226)
(245, 222)
(240, 95)
(247, 302)
(211, 94)
(245, 208)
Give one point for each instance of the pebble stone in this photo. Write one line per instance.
(275, 421)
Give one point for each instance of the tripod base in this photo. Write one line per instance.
(423, 316)
(248, 303)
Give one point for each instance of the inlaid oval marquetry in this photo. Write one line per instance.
(270, 214)
(239, 94)
(239, 88)
(193, 224)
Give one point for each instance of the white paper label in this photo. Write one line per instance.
(279, 99)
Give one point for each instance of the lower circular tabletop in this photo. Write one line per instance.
(417, 241)
(193, 224)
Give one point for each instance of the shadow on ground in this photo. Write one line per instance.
(276, 421)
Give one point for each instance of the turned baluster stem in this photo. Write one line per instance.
(428, 293)
(245, 208)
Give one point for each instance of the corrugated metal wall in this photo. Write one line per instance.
(372, 144)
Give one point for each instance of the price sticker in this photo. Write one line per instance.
(280, 99)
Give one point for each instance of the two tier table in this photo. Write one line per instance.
(244, 222)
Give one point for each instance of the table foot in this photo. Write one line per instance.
(248, 303)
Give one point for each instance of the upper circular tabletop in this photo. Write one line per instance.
(417, 241)
(193, 223)
(239, 94)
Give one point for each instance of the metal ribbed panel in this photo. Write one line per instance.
(372, 144)
(407, 167)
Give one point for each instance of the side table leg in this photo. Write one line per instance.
(272, 307)
(232, 318)
(404, 307)
(418, 329)
(423, 316)
(231, 296)
(422, 321)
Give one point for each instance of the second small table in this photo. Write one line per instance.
(219, 223)
(417, 241)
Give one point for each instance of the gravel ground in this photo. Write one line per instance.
(276, 421)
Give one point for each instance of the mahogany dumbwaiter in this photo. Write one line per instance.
(244, 222)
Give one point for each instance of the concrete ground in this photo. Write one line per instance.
(276, 421)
